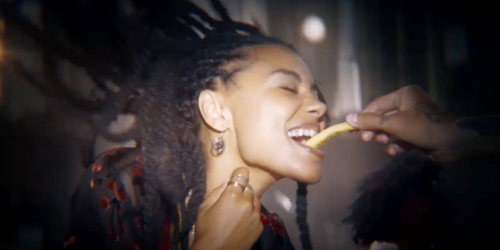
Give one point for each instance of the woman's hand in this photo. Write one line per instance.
(229, 218)
(413, 117)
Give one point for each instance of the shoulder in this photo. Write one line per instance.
(107, 205)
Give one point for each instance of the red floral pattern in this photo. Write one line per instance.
(120, 230)
(164, 237)
(110, 194)
(96, 167)
(138, 221)
(137, 170)
(104, 202)
(139, 159)
(69, 242)
(111, 183)
(109, 153)
(273, 220)
(112, 236)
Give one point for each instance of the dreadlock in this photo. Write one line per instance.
(374, 215)
(161, 56)
(196, 47)
(301, 200)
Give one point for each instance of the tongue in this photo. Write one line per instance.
(301, 138)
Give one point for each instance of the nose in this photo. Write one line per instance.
(316, 107)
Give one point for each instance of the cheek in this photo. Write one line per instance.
(261, 139)
(259, 124)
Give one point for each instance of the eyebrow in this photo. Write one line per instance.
(314, 84)
(288, 73)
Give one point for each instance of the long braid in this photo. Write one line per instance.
(301, 211)
(301, 199)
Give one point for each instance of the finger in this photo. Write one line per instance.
(381, 138)
(213, 196)
(256, 204)
(248, 194)
(405, 145)
(238, 181)
(393, 149)
(367, 135)
(376, 122)
(399, 147)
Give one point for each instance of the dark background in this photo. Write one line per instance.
(394, 43)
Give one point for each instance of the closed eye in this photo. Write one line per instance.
(289, 89)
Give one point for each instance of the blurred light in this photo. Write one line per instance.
(283, 200)
(1, 50)
(2, 31)
(2, 25)
(314, 29)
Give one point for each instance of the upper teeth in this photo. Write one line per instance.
(302, 132)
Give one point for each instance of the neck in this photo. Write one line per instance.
(219, 171)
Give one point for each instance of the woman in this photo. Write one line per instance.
(233, 107)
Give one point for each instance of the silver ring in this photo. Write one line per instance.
(237, 184)
(249, 188)
(239, 176)
(240, 179)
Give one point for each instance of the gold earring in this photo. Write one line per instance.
(218, 145)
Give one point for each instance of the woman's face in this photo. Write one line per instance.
(273, 108)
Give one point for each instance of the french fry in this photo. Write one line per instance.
(320, 138)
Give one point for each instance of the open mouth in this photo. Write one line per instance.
(304, 133)
(301, 135)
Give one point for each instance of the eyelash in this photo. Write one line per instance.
(289, 89)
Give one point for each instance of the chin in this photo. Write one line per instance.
(311, 177)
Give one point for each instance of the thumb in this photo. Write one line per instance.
(374, 121)
(212, 197)
(215, 195)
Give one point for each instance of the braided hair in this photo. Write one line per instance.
(161, 56)
(200, 46)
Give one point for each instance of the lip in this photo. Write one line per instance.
(316, 152)
(314, 126)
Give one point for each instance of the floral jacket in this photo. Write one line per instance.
(107, 208)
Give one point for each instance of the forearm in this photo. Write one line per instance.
(476, 135)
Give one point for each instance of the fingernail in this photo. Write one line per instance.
(352, 118)
(392, 151)
(382, 139)
(367, 135)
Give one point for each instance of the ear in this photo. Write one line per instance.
(212, 110)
